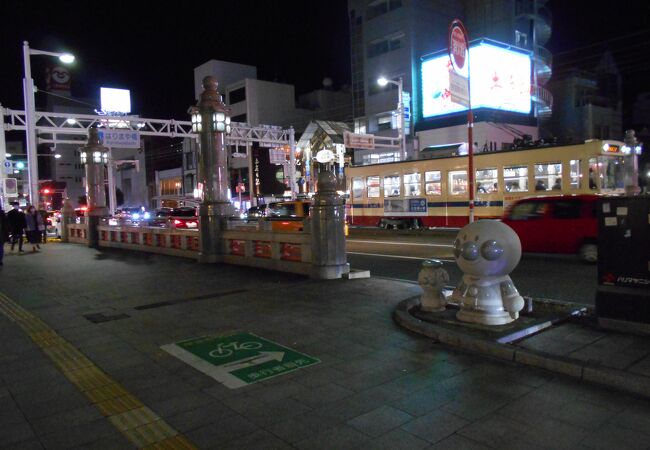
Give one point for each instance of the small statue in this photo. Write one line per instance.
(432, 279)
(487, 251)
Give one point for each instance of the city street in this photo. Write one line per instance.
(399, 256)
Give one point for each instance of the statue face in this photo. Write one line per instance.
(487, 248)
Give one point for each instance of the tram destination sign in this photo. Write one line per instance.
(239, 359)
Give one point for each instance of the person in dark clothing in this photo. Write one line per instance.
(4, 233)
(34, 226)
(43, 214)
(16, 222)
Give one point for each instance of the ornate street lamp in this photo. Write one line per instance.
(211, 120)
(94, 156)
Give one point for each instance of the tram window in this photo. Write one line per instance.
(575, 174)
(357, 187)
(458, 182)
(486, 181)
(516, 178)
(392, 186)
(373, 187)
(611, 172)
(527, 211)
(548, 176)
(412, 185)
(432, 183)
(593, 173)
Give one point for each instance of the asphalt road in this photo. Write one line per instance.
(399, 256)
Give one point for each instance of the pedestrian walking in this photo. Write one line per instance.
(16, 222)
(4, 233)
(34, 227)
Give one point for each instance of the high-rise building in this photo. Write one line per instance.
(390, 37)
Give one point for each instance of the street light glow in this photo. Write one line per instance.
(66, 58)
(382, 81)
(71, 121)
(57, 155)
(8, 155)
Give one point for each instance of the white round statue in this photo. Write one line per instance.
(487, 251)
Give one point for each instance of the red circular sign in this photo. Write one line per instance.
(457, 46)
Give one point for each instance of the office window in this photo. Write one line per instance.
(237, 95)
(384, 123)
(385, 45)
(239, 118)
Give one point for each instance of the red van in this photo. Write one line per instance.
(556, 224)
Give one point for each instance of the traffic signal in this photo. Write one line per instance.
(46, 191)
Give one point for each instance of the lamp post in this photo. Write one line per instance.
(211, 120)
(30, 110)
(383, 81)
(94, 156)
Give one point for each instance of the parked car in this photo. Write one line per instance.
(289, 215)
(255, 212)
(556, 224)
(160, 217)
(53, 224)
(184, 217)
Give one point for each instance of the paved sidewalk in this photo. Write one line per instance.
(75, 315)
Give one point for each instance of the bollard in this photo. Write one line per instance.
(67, 217)
(329, 260)
(432, 279)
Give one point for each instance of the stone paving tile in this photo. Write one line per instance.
(435, 426)
(301, 427)
(641, 367)
(458, 442)
(34, 409)
(396, 440)
(70, 418)
(584, 415)
(14, 431)
(424, 401)
(181, 403)
(30, 444)
(227, 429)
(195, 418)
(380, 421)
(258, 440)
(613, 436)
(281, 388)
(323, 395)
(341, 437)
(112, 442)
(495, 431)
(319, 376)
(66, 437)
(475, 405)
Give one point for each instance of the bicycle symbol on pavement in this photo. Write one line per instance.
(225, 350)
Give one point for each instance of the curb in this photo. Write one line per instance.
(584, 371)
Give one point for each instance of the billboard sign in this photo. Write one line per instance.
(10, 187)
(459, 88)
(500, 79)
(360, 141)
(115, 100)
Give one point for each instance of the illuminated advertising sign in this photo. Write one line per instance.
(115, 100)
(500, 79)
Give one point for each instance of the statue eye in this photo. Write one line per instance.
(470, 251)
(491, 250)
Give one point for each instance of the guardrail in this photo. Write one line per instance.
(273, 250)
(252, 244)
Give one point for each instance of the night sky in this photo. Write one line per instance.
(152, 49)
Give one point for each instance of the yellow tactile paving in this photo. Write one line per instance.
(177, 442)
(119, 405)
(104, 393)
(150, 433)
(138, 423)
(133, 419)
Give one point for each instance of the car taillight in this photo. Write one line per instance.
(177, 222)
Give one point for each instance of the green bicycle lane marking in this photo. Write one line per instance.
(239, 359)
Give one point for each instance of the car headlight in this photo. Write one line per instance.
(147, 215)
(136, 216)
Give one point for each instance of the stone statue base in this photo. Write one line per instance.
(484, 318)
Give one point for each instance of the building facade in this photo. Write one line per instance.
(390, 37)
